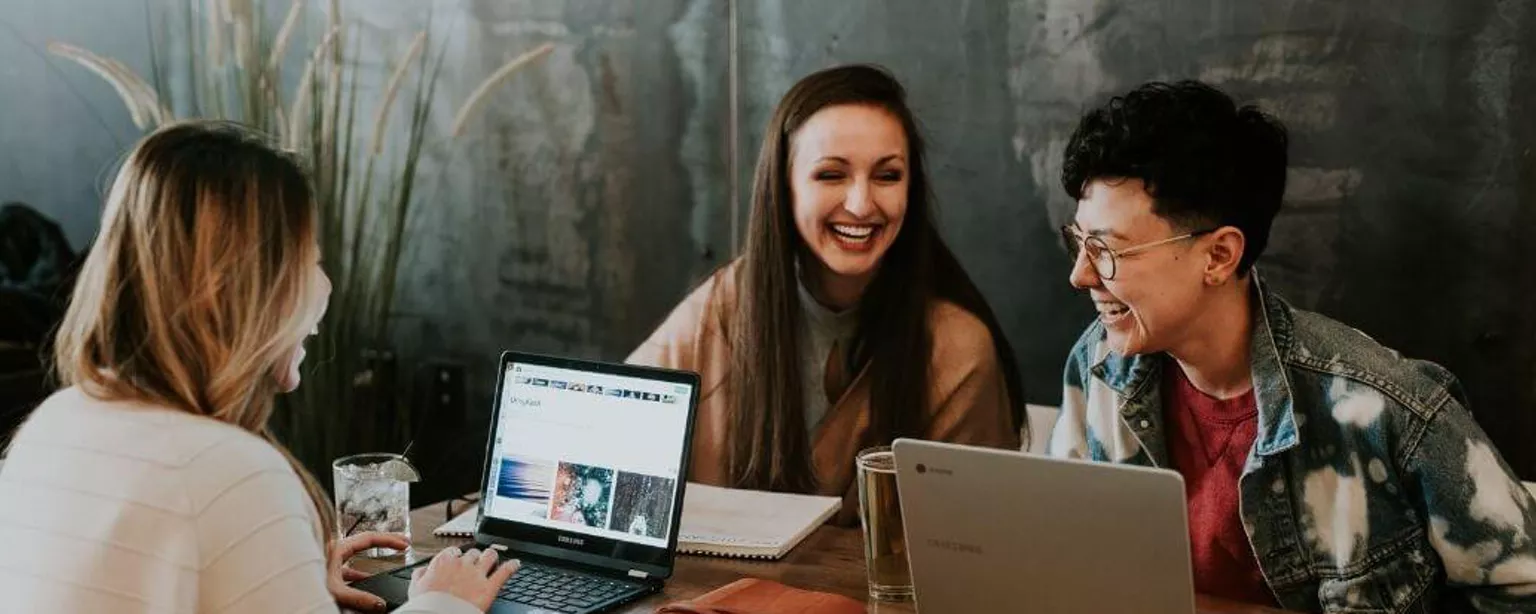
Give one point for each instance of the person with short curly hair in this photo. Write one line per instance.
(1323, 472)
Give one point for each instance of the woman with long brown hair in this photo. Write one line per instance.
(151, 482)
(847, 322)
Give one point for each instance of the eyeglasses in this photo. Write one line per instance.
(1104, 259)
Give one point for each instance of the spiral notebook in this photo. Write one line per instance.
(749, 523)
(462, 525)
(724, 521)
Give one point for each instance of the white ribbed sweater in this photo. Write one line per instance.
(126, 508)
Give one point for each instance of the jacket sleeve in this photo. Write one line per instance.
(969, 395)
(673, 345)
(1481, 519)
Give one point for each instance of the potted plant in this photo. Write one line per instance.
(366, 172)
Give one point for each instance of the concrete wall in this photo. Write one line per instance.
(62, 128)
(597, 188)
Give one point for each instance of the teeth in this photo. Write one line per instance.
(853, 232)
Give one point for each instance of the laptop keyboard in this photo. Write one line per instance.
(561, 590)
(552, 588)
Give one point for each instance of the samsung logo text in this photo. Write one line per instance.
(954, 546)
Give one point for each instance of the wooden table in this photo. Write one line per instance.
(830, 560)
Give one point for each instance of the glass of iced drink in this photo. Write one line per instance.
(373, 493)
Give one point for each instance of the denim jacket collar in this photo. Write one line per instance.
(1136, 379)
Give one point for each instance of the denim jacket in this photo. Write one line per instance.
(1368, 489)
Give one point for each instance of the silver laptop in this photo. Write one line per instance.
(987, 527)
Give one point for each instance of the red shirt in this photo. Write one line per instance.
(1208, 442)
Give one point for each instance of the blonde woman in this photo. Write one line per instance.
(151, 483)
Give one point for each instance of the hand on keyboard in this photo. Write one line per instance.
(467, 575)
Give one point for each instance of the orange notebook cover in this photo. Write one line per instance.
(757, 596)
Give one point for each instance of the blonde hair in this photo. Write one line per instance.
(200, 283)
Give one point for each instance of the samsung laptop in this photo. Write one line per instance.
(989, 529)
(584, 475)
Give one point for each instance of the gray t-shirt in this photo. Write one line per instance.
(820, 329)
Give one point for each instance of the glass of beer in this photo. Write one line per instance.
(885, 540)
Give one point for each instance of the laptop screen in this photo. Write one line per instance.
(587, 454)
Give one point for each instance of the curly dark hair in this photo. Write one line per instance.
(1205, 161)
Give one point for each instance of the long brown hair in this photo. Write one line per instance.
(769, 444)
(200, 282)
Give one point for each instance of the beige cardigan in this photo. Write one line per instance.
(968, 393)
